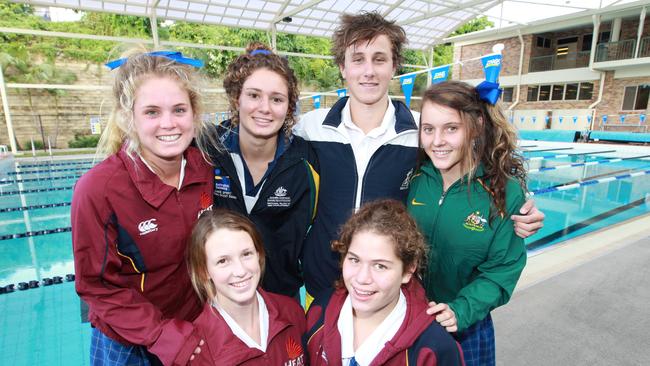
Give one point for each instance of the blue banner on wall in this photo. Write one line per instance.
(522, 119)
(604, 119)
(407, 87)
(439, 74)
(621, 118)
(589, 118)
(642, 118)
(316, 99)
(575, 119)
(561, 119)
(534, 119)
(546, 118)
(341, 92)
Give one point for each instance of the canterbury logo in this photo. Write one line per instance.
(147, 226)
(416, 203)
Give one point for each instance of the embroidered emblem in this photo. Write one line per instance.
(475, 222)
(295, 353)
(147, 226)
(222, 186)
(279, 198)
(407, 181)
(280, 192)
(416, 203)
(205, 204)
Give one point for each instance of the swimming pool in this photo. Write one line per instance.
(580, 188)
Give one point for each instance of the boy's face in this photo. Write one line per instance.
(368, 69)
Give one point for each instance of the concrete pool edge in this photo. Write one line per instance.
(569, 254)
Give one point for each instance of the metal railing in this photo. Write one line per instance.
(612, 51)
(644, 47)
(554, 62)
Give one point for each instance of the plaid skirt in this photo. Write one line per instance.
(106, 352)
(478, 344)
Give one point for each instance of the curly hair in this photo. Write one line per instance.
(247, 63)
(208, 223)
(140, 66)
(489, 140)
(389, 218)
(367, 26)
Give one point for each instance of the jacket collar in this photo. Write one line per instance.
(415, 322)
(403, 117)
(227, 348)
(149, 185)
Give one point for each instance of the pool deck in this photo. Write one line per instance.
(584, 301)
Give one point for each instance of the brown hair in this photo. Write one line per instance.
(139, 66)
(489, 140)
(245, 65)
(208, 223)
(366, 27)
(389, 218)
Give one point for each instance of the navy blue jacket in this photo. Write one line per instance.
(387, 176)
(284, 210)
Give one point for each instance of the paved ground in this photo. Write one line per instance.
(595, 314)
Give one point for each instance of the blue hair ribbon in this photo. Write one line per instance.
(489, 91)
(260, 52)
(172, 55)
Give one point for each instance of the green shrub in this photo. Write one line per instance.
(38, 145)
(81, 140)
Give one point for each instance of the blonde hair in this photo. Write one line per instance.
(138, 67)
(208, 223)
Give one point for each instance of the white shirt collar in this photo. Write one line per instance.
(240, 333)
(181, 175)
(375, 342)
(387, 121)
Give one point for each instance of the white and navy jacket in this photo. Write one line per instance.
(387, 176)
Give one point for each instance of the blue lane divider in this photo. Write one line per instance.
(12, 181)
(573, 165)
(590, 182)
(48, 171)
(34, 207)
(35, 233)
(567, 155)
(35, 190)
(588, 163)
(78, 162)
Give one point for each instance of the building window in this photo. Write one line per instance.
(636, 97)
(586, 91)
(532, 93)
(507, 95)
(544, 93)
(571, 92)
(568, 40)
(558, 92)
(543, 42)
(587, 39)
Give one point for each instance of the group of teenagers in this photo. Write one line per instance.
(192, 241)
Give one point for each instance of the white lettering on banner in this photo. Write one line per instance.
(147, 226)
(493, 62)
(439, 75)
(407, 81)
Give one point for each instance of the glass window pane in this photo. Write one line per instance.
(586, 91)
(544, 92)
(571, 92)
(532, 93)
(558, 92)
(507, 94)
(642, 96)
(628, 98)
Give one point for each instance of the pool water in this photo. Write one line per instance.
(42, 326)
